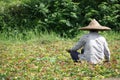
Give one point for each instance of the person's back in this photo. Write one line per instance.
(94, 48)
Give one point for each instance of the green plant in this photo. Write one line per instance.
(63, 17)
(49, 60)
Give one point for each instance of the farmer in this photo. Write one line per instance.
(94, 46)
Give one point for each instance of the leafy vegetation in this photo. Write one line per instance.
(47, 59)
(64, 17)
(34, 35)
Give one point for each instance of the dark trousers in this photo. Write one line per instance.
(74, 55)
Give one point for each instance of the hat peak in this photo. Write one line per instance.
(94, 23)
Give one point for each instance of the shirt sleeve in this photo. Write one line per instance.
(106, 51)
(79, 44)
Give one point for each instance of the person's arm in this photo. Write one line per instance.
(79, 44)
(106, 52)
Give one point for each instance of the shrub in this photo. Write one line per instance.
(64, 17)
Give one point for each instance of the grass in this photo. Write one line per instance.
(44, 57)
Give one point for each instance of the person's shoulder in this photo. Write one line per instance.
(85, 35)
(102, 37)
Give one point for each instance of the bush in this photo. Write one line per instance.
(61, 16)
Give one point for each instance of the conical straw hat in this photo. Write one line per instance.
(94, 25)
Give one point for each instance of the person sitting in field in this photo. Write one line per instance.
(95, 48)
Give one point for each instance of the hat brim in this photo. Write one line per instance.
(101, 28)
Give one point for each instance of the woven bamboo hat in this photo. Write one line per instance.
(94, 25)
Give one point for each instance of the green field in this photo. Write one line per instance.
(34, 36)
(46, 59)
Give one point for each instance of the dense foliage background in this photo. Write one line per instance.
(64, 17)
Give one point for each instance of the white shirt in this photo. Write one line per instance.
(95, 48)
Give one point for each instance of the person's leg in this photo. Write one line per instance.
(74, 55)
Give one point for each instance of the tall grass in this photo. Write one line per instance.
(42, 37)
(111, 36)
(45, 37)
